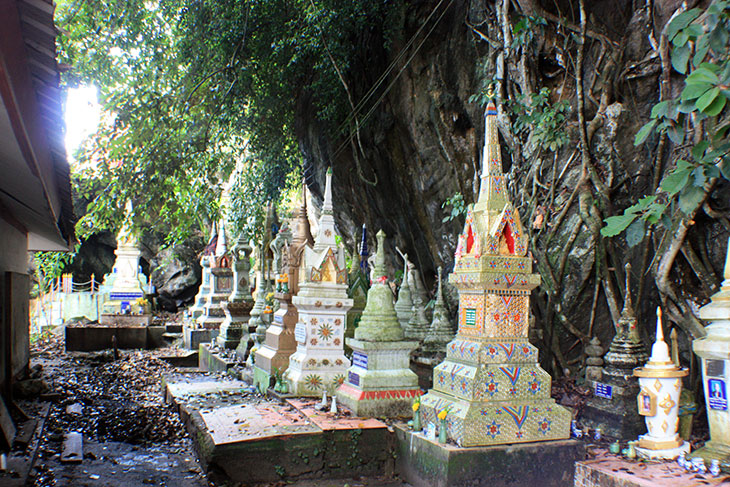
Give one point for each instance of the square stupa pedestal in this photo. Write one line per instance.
(421, 461)
(380, 383)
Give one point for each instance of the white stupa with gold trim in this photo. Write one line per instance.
(660, 381)
(322, 304)
(490, 383)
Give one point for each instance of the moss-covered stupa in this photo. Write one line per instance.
(380, 383)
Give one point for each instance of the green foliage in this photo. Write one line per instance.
(699, 49)
(523, 31)
(191, 88)
(50, 266)
(543, 121)
(458, 207)
(484, 69)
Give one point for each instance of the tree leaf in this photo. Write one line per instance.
(660, 109)
(676, 133)
(701, 47)
(716, 106)
(706, 100)
(635, 233)
(675, 181)
(680, 57)
(702, 75)
(617, 224)
(693, 91)
(690, 198)
(644, 132)
(681, 21)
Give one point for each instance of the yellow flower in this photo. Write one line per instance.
(416, 405)
(442, 414)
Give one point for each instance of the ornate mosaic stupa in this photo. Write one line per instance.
(491, 384)
(380, 383)
(273, 357)
(322, 303)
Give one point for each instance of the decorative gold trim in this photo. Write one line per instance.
(659, 445)
(644, 372)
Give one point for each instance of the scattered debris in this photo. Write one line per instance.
(73, 448)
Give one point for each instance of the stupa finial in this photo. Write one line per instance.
(327, 205)
(440, 290)
(221, 246)
(660, 349)
(628, 306)
(379, 269)
(303, 233)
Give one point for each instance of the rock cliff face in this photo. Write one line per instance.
(422, 142)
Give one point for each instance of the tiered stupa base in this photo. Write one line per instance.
(664, 454)
(380, 382)
(273, 357)
(618, 416)
(310, 375)
(494, 393)
(235, 323)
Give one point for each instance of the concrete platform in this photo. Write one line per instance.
(210, 360)
(607, 470)
(93, 337)
(125, 320)
(545, 464)
(254, 440)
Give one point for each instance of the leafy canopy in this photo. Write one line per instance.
(700, 48)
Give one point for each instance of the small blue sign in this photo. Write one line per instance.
(353, 378)
(359, 359)
(278, 319)
(124, 296)
(603, 390)
(717, 395)
(125, 307)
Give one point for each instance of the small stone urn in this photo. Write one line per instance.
(658, 401)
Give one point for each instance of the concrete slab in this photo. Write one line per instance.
(327, 421)
(607, 470)
(255, 440)
(90, 338)
(210, 360)
(546, 463)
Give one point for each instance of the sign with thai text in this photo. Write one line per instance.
(300, 332)
(717, 394)
(359, 359)
(603, 390)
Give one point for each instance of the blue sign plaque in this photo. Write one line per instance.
(353, 378)
(603, 390)
(717, 394)
(124, 296)
(359, 359)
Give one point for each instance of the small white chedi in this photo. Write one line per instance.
(660, 381)
(322, 304)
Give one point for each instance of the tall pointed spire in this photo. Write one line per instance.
(327, 204)
(303, 232)
(326, 229)
(221, 246)
(660, 349)
(364, 253)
